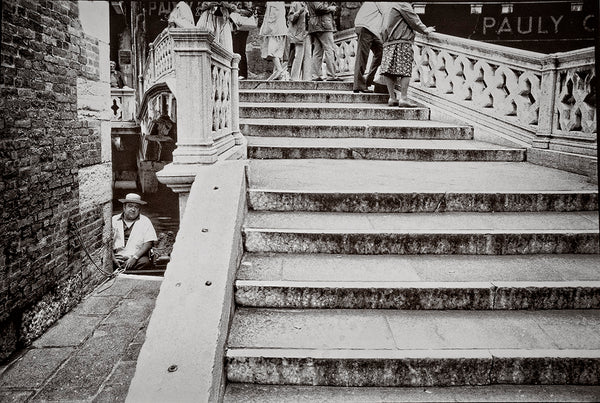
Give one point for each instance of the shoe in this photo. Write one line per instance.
(365, 91)
(407, 104)
(317, 79)
(333, 79)
(392, 102)
(241, 78)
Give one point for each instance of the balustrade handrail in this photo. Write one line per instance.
(519, 58)
(499, 54)
(159, 62)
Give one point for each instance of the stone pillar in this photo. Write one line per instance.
(196, 148)
(546, 102)
(192, 62)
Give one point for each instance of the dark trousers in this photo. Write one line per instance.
(292, 56)
(367, 41)
(239, 47)
(142, 263)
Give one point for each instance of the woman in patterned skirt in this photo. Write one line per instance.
(398, 36)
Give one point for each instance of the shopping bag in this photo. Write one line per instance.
(378, 79)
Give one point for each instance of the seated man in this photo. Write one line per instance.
(116, 77)
(133, 235)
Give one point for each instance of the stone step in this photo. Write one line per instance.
(422, 202)
(419, 282)
(379, 149)
(414, 186)
(505, 295)
(252, 393)
(310, 96)
(337, 128)
(296, 85)
(347, 111)
(413, 348)
(422, 233)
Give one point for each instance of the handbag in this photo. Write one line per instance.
(378, 79)
(242, 23)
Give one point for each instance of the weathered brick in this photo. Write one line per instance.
(42, 54)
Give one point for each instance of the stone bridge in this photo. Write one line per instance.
(329, 240)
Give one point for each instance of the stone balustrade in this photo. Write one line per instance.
(159, 62)
(547, 101)
(122, 104)
(575, 115)
(538, 100)
(193, 80)
(345, 52)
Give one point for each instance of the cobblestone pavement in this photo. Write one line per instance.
(90, 354)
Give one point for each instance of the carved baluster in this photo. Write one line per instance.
(483, 79)
(442, 76)
(462, 77)
(528, 98)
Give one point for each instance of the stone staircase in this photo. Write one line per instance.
(389, 257)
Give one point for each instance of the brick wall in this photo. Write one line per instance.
(51, 144)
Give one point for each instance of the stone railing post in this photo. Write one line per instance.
(203, 136)
(192, 62)
(546, 102)
(235, 99)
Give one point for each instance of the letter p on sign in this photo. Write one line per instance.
(488, 22)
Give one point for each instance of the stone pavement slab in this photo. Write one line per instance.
(98, 305)
(90, 354)
(32, 369)
(73, 331)
(7, 396)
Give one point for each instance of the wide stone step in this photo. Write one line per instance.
(422, 233)
(419, 295)
(419, 282)
(310, 96)
(252, 393)
(422, 202)
(413, 348)
(330, 111)
(379, 149)
(338, 128)
(296, 85)
(414, 186)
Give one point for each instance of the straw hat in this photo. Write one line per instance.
(132, 198)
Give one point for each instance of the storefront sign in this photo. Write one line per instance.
(163, 8)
